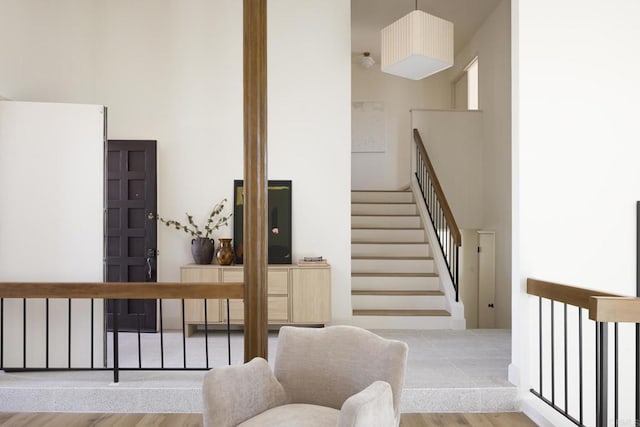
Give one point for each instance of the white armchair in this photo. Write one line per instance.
(336, 376)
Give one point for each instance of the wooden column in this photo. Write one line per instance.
(255, 179)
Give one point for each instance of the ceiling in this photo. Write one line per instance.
(368, 17)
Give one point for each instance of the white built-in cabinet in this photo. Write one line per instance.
(295, 295)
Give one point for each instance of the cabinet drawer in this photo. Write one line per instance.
(278, 280)
(277, 310)
(235, 275)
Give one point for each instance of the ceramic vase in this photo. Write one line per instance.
(202, 250)
(225, 254)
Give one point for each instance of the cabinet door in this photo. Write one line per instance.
(310, 295)
(194, 309)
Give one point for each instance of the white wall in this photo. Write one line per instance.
(576, 150)
(50, 220)
(454, 143)
(172, 71)
(390, 170)
(48, 49)
(492, 43)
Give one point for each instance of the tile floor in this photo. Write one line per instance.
(448, 371)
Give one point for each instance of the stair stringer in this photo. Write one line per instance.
(455, 308)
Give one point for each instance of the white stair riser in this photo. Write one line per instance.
(402, 322)
(386, 221)
(383, 209)
(392, 266)
(372, 235)
(373, 283)
(390, 249)
(381, 196)
(393, 302)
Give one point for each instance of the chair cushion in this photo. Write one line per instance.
(295, 415)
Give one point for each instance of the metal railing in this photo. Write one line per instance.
(581, 373)
(444, 224)
(36, 299)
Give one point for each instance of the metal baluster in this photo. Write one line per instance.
(184, 340)
(615, 369)
(1, 333)
(540, 341)
(206, 335)
(161, 338)
(638, 370)
(601, 374)
(46, 310)
(69, 341)
(139, 342)
(228, 333)
(116, 357)
(553, 356)
(92, 334)
(566, 364)
(580, 362)
(24, 332)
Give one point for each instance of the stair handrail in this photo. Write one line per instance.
(606, 310)
(442, 218)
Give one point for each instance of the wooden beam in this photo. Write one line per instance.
(255, 179)
(119, 290)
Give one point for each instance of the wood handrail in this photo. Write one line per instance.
(602, 306)
(562, 293)
(448, 215)
(614, 309)
(119, 290)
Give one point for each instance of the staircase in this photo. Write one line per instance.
(394, 280)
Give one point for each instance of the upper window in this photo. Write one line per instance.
(465, 88)
(472, 84)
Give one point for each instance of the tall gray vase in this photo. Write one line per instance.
(202, 250)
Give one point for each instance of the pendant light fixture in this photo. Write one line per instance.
(366, 61)
(417, 45)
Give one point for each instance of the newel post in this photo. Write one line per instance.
(255, 178)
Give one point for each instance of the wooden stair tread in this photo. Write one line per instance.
(383, 203)
(398, 258)
(391, 215)
(359, 242)
(397, 293)
(380, 191)
(394, 275)
(401, 313)
(387, 228)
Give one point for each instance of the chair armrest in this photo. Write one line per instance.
(373, 406)
(233, 394)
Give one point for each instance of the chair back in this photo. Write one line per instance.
(325, 366)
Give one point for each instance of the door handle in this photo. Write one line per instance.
(149, 269)
(149, 263)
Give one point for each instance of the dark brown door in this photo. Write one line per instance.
(130, 229)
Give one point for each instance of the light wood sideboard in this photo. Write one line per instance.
(295, 295)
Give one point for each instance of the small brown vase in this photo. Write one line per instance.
(225, 254)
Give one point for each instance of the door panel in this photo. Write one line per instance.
(486, 280)
(130, 232)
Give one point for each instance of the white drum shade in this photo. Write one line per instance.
(417, 46)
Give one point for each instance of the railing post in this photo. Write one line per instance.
(602, 348)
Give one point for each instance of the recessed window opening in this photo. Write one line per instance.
(472, 84)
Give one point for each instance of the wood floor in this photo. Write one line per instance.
(508, 419)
